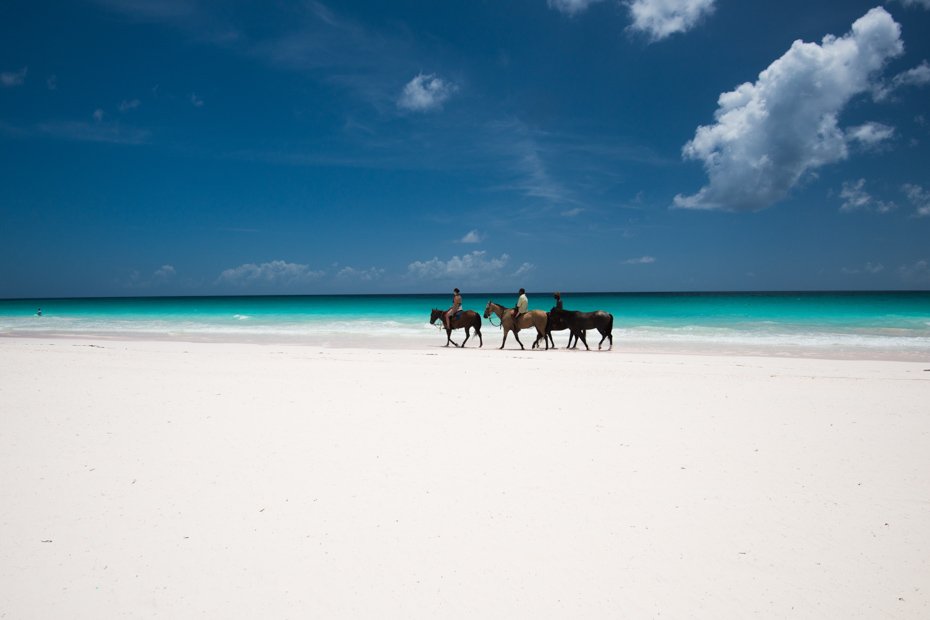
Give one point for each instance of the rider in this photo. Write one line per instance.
(456, 306)
(520, 308)
(558, 302)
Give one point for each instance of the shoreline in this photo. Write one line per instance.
(492, 342)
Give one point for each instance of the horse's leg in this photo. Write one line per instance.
(603, 337)
(584, 339)
(449, 332)
(517, 336)
(467, 335)
(480, 339)
(506, 331)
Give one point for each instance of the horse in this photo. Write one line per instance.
(531, 318)
(555, 323)
(579, 322)
(466, 319)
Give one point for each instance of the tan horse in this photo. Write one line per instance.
(531, 318)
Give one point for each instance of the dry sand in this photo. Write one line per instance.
(167, 479)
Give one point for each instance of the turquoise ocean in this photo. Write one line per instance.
(852, 324)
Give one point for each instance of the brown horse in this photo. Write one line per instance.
(532, 318)
(466, 319)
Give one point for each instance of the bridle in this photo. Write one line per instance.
(493, 314)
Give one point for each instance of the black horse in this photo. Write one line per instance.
(578, 322)
(555, 322)
(464, 318)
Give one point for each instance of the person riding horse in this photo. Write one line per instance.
(522, 304)
(456, 306)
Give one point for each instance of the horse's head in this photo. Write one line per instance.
(487, 310)
(434, 316)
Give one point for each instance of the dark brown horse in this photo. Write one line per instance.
(465, 318)
(555, 323)
(579, 322)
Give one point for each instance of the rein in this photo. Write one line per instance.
(499, 318)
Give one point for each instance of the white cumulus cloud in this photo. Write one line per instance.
(470, 265)
(769, 134)
(276, 272)
(425, 92)
(642, 260)
(660, 19)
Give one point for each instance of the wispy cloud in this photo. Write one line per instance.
(918, 271)
(363, 275)
(164, 275)
(276, 272)
(919, 198)
(196, 101)
(642, 260)
(98, 131)
(870, 135)
(571, 7)
(9, 79)
(869, 268)
(472, 236)
(922, 3)
(918, 76)
(128, 104)
(573, 212)
(522, 161)
(659, 19)
(52, 82)
(855, 198)
(425, 92)
(762, 143)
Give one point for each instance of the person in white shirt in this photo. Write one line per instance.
(522, 304)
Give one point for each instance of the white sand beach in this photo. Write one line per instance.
(178, 480)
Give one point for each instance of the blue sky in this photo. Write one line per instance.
(160, 147)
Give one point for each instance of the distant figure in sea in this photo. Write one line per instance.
(522, 304)
(450, 313)
(39, 312)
